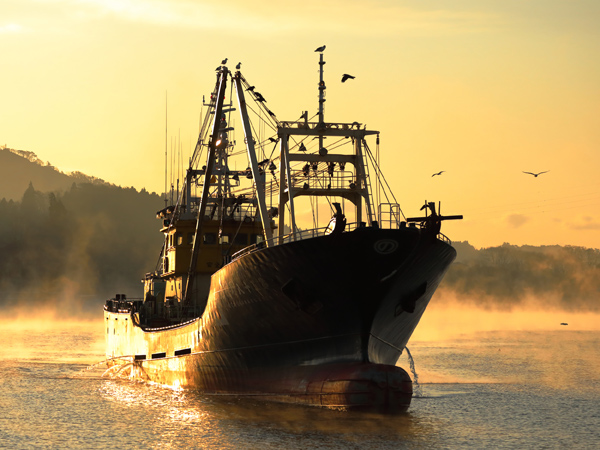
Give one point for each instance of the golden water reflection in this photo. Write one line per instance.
(207, 417)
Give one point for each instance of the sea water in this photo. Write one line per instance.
(490, 388)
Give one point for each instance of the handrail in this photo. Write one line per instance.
(291, 237)
(444, 238)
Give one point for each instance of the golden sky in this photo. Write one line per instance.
(481, 89)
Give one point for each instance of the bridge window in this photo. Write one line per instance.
(210, 238)
(179, 237)
(225, 239)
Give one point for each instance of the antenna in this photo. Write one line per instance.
(166, 145)
(321, 89)
(172, 162)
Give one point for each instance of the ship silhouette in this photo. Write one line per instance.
(245, 300)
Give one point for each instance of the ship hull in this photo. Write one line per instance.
(320, 321)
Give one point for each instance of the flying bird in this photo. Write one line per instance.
(320, 49)
(238, 66)
(536, 174)
(564, 323)
(439, 173)
(224, 61)
(346, 77)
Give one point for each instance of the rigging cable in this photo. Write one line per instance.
(380, 174)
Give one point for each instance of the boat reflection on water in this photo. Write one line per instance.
(222, 421)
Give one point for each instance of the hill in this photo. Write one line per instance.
(19, 167)
(508, 276)
(76, 241)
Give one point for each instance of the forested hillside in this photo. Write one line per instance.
(508, 275)
(76, 248)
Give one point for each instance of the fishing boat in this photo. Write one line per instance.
(254, 294)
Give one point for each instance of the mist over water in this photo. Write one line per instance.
(525, 277)
(488, 379)
(448, 317)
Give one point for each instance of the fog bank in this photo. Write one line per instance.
(503, 277)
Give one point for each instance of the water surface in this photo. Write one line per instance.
(480, 388)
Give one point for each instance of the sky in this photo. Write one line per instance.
(481, 89)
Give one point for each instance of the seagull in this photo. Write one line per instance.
(238, 66)
(320, 49)
(439, 173)
(346, 77)
(224, 61)
(536, 174)
(251, 89)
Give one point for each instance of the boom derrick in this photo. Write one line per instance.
(258, 175)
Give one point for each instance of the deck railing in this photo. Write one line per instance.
(292, 237)
(307, 234)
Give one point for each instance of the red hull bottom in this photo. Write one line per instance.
(349, 386)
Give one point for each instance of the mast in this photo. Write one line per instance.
(212, 150)
(322, 88)
(357, 191)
